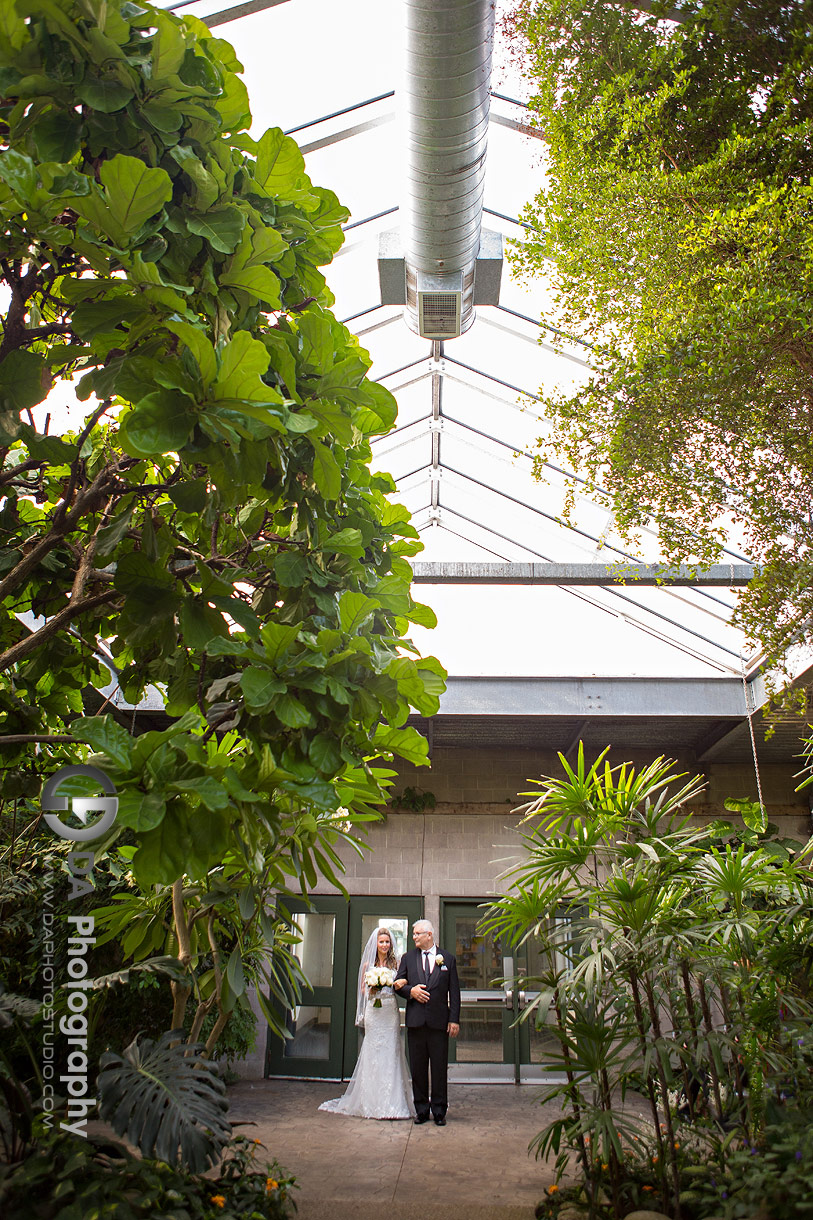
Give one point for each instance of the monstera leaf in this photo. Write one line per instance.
(169, 1102)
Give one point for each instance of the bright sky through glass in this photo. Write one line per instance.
(304, 59)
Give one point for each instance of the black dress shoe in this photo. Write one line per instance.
(440, 1122)
(420, 1118)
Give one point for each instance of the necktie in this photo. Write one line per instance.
(426, 965)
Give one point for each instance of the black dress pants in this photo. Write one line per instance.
(428, 1054)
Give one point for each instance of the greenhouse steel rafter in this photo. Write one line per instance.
(438, 461)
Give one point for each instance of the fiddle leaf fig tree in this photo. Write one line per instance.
(211, 528)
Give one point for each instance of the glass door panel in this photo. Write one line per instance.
(484, 1035)
(489, 1031)
(310, 1024)
(316, 1025)
(481, 1032)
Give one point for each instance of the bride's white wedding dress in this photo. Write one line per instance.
(380, 1086)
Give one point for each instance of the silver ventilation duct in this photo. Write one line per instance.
(445, 102)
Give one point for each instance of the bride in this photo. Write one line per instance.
(379, 1086)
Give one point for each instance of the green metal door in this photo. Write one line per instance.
(325, 1041)
(366, 914)
(316, 1026)
(491, 1043)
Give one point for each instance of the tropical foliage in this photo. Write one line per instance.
(208, 531)
(675, 225)
(676, 981)
(66, 1176)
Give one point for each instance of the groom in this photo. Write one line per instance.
(427, 979)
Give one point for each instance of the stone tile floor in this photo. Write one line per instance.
(477, 1167)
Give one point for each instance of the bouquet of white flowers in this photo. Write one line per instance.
(376, 978)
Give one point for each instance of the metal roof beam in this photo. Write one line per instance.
(234, 13)
(335, 114)
(626, 616)
(594, 698)
(638, 574)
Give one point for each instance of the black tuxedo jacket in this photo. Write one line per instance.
(444, 991)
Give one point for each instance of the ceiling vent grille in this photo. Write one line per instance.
(440, 300)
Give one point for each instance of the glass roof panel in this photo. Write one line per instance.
(473, 492)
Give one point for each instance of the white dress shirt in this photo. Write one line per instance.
(432, 952)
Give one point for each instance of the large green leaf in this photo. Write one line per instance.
(242, 363)
(199, 344)
(13, 30)
(220, 226)
(207, 788)
(168, 47)
(291, 569)
(57, 138)
(232, 104)
(344, 542)
(327, 474)
(381, 404)
(316, 339)
(206, 187)
(235, 973)
(105, 95)
(134, 191)
(106, 737)
(186, 841)
(19, 172)
(279, 162)
(278, 639)
(161, 423)
(354, 608)
(280, 350)
(753, 814)
(190, 497)
(137, 574)
(140, 810)
(22, 380)
(407, 742)
(260, 282)
(200, 623)
(261, 688)
(325, 753)
(292, 711)
(167, 1101)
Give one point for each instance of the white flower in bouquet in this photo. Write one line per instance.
(376, 978)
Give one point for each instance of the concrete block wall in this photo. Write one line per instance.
(500, 775)
(460, 848)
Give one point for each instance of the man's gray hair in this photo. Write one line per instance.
(424, 923)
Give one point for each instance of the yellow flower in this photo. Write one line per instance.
(605, 1166)
(219, 1200)
(271, 1184)
(552, 1190)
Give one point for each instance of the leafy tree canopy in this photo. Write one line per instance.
(213, 528)
(676, 225)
